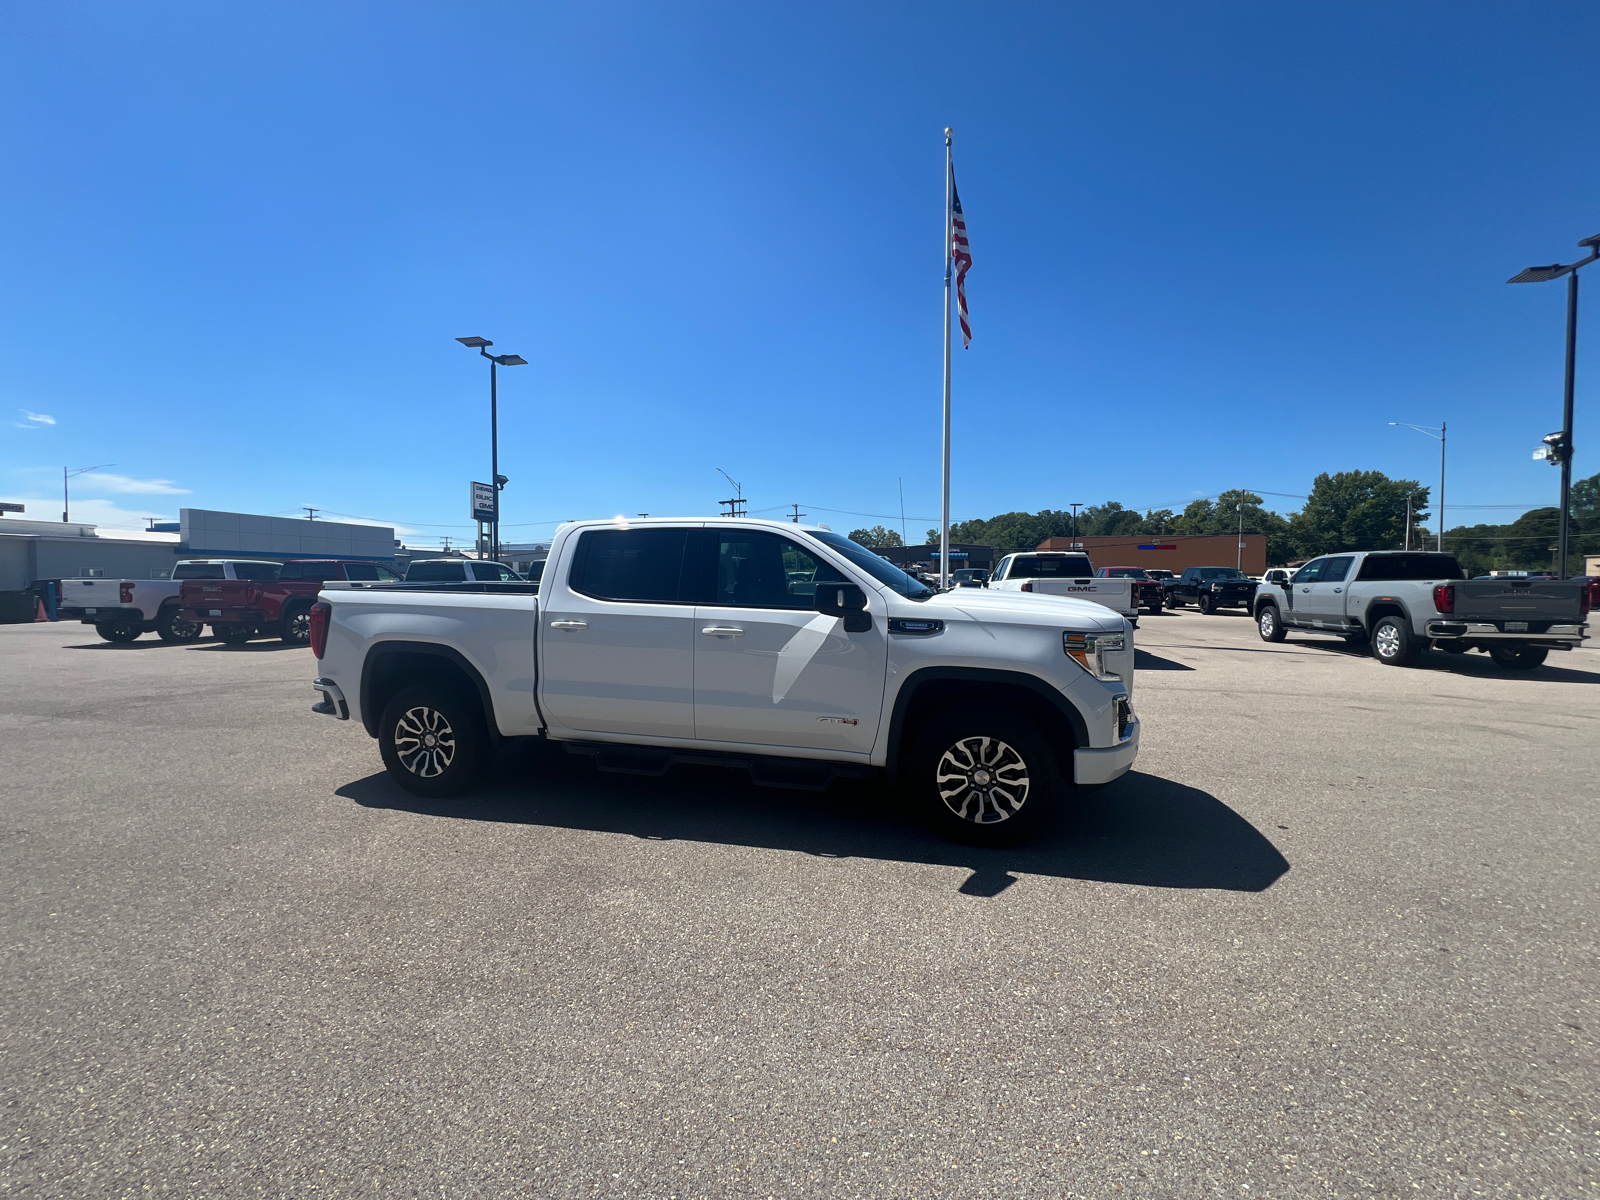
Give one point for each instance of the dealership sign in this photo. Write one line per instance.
(482, 502)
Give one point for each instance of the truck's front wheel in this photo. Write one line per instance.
(1270, 624)
(1206, 604)
(432, 740)
(982, 776)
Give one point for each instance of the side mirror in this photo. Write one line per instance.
(845, 600)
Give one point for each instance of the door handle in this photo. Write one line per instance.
(1338, 589)
(723, 631)
(569, 625)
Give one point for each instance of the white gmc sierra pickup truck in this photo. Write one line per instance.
(1404, 601)
(122, 609)
(786, 650)
(1058, 573)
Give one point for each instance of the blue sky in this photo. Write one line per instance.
(1215, 245)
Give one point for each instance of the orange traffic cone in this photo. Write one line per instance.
(43, 616)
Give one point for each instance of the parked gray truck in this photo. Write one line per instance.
(1404, 602)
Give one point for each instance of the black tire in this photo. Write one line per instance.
(997, 769)
(120, 632)
(1518, 658)
(1152, 609)
(1206, 604)
(233, 635)
(446, 766)
(1392, 643)
(1270, 624)
(295, 628)
(170, 627)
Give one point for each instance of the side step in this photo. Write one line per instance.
(800, 774)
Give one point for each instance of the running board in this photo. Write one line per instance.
(798, 774)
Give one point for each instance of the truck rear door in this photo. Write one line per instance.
(616, 637)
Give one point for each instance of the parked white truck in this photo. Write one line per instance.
(789, 651)
(1058, 573)
(1404, 601)
(122, 609)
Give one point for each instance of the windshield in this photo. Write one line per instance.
(1221, 573)
(881, 569)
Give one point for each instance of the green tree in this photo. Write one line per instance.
(1355, 510)
(1221, 516)
(876, 537)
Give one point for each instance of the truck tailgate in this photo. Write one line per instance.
(1541, 600)
(221, 594)
(90, 593)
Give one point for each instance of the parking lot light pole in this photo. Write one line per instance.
(66, 504)
(1560, 450)
(1439, 435)
(481, 345)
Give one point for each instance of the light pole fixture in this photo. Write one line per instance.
(1438, 435)
(481, 345)
(1075, 508)
(1558, 446)
(66, 506)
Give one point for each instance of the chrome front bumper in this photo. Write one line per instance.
(333, 704)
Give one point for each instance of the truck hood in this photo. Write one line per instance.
(1015, 608)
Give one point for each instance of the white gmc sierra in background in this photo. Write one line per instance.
(1059, 573)
(122, 609)
(786, 650)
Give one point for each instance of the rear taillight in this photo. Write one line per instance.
(127, 593)
(1586, 604)
(319, 627)
(1444, 598)
(1027, 586)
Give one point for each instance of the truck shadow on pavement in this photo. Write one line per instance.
(1141, 830)
(1465, 665)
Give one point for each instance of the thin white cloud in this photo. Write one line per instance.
(33, 420)
(106, 481)
(88, 510)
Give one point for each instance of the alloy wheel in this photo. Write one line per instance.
(424, 742)
(300, 625)
(1386, 641)
(1268, 620)
(982, 780)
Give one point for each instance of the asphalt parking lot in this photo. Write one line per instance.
(1336, 936)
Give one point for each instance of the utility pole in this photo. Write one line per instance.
(1407, 543)
(311, 513)
(798, 514)
(736, 505)
(1075, 508)
(1240, 507)
(66, 506)
(902, 511)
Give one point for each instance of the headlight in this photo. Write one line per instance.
(1088, 650)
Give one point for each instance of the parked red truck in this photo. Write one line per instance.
(239, 609)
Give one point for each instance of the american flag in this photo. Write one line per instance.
(961, 253)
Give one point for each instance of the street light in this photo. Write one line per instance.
(66, 507)
(1438, 435)
(1559, 449)
(481, 345)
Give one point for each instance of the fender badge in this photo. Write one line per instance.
(838, 721)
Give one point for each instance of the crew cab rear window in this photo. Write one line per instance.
(256, 570)
(370, 572)
(491, 572)
(1065, 566)
(641, 565)
(1398, 568)
(429, 572)
(199, 571)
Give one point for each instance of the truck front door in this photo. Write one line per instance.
(617, 636)
(1320, 603)
(768, 668)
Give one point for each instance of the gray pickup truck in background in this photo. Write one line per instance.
(1404, 602)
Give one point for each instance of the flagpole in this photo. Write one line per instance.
(944, 503)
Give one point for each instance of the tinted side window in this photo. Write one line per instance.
(763, 570)
(290, 571)
(1335, 569)
(198, 571)
(256, 570)
(315, 572)
(1309, 573)
(642, 565)
(1401, 567)
(370, 572)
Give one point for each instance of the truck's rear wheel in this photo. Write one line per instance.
(118, 631)
(982, 776)
(234, 635)
(1270, 624)
(1518, 658)
(296, 629)
(433, 740)
(1392, 643)
(170, 627)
